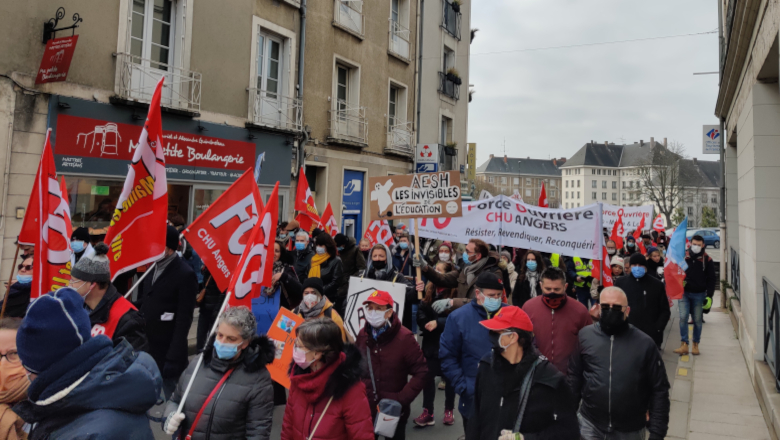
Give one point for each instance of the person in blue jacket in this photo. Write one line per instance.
(82, 386)
(465, 341)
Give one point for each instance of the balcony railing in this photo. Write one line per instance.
(450, 19)
(771, 328)
(399, 139)
(448, 87)
(275, 110)
(348, 123)
(399, 40)
(349, 15)
(137, 78)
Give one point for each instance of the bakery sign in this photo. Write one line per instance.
(92, 146)
(56, 59)
(415, 195)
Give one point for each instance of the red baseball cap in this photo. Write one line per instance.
(509, 317)
(380, 298)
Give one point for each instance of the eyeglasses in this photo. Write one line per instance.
(11, 356)
(614, 307)
(24, 266)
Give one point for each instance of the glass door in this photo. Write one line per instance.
(269, 65)
(151, 44)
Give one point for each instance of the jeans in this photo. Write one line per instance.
(691, 303)
(429, 389)
(590, 432)
(583, 296)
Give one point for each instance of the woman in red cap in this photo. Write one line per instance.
(517, 390)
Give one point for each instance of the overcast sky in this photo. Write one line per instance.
(549, 103)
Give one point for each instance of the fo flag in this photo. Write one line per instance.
(255, 268)
(136, 235)
(543, 198)
(379, 232)
(606, 276)
(219, 235)
(47, 226)
(675, 265)
(658, 224)
(618, 231)
(308, 216)
(329, 221)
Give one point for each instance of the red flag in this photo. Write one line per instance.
(219, 235)
(257, 263)
(66, 202)
(638, 235)
(618, 231)
(47, 226)
(606, 278)
(658, 224)
(136, 235)
(307, 223)
(543, 198)
(329, 221)
(304, 200)
(379, 232)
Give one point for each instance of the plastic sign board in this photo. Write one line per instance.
(426, 168)
(415, 195)
(711, 139)
(427, 153)
(56, 59)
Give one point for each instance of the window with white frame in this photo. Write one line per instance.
(270, 95)
(503, 180)
(567, 194)
(614, 185)
(445, 131)
(348, 14)
(152, 33)
(567, 184)
(517, 181)
(348, 119)
(593, 196)
(528, 193)
(594, 183)
(614, 196)
(552, 183)
(527, 180)
(578, 185)
(603, 196)
(399, 28)
(490, 179)
(624, 196)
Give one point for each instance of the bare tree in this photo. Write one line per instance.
(662, 178)
(481, 184)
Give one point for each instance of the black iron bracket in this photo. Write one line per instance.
(50, 27)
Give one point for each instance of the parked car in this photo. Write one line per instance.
(711, 237)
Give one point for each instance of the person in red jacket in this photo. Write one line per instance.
(327, 400)
(556, 318)
(392, 354)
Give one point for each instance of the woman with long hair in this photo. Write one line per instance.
(527, 285)
(326, 265)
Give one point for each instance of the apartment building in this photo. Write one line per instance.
(524, 176)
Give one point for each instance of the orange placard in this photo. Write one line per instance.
(282, 334)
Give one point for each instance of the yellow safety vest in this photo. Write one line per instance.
(582, 271)
(554, 258)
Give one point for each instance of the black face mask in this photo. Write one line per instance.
(379, 265)
(612, 322)
(494, 341)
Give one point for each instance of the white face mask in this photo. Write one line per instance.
(376, 318)
(695, 248)
(444, 256)
(310, 300)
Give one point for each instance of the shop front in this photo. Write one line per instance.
(94, 144)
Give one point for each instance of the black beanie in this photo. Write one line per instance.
(172, 238)
(80, 234)
(489, 280)
(340, 239)
(314, 283)
(637, 259)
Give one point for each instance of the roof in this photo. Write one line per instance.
(603, 155)
(700, 173)
(517, 165)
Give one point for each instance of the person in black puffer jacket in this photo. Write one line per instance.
(647, 299)
(618, 399)
(19, 292)
(243, 407)
(655, 263)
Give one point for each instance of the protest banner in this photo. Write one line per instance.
(219, 235)
(632, 215)
(282, 334)
(265, 308)
(359, 290)
(415, 195)
(379, 232)
(485, 194)
(503, 221)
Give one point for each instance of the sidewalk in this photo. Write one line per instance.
(712, 396)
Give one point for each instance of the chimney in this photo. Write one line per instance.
(491, 156)
(695, 162)
(641, 142)
(591, 141)
(606, 142)
(664, 142)
(505, 158)
(555, 162)
(652, 142)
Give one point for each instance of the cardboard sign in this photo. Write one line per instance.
(282, 334)
(56, 60)
(265, 308)
(359, 290)
(415, 195)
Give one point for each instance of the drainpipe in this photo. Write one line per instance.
(723, 241)
(420, 18)
(304, 135)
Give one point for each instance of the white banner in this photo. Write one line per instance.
(632, 215)
(503, 221)
(359, 290)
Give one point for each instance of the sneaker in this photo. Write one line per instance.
(449, 417)
(425, 419)
(442, 385)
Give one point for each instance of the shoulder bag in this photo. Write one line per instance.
(388, 411)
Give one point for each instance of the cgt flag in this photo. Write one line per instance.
(47, 226)
(308, 216)
(219, 235)
(606, 277)
(136, 234)
(543, 198)
(675, 265)
(255, 268)
(658, 224)
(379, 232)
(638, 236)
(329, 222)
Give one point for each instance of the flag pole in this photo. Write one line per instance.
(148, 270)
(200, 356)
(10, 278)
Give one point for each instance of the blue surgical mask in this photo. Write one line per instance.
(320, 250)
(283, 235)
(638, 271)
(403, 245)
(340, 248)
(531, 265)
(225, 351)
(630, 244)
(492, 304)
(466, 260)
(77, 246)
(24, 279)
(300, 246)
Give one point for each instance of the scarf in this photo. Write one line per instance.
(316, 262)
(553, 303)
(533, 278)
(315, 310)
(375, 332)
(11, 425)
(159, 268)
(13, 383)
(472, 269)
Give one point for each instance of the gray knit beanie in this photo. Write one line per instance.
(95, 267)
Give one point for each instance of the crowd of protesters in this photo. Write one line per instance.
(529, 342)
